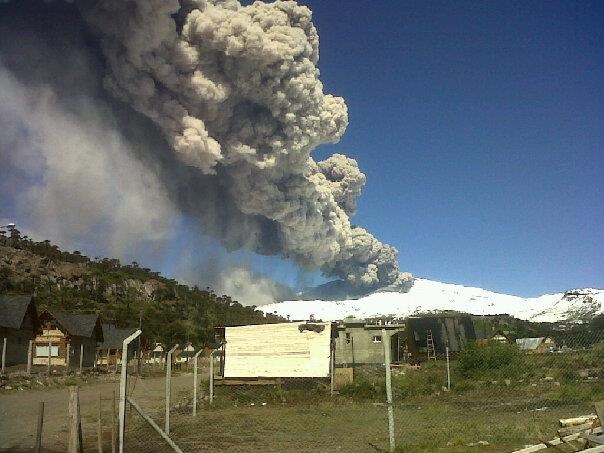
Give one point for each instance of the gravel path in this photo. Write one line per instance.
(19, 410)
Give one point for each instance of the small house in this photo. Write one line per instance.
(62, 331)
(284, 350)
(185, 354)
(18, 324)
(537, 345)
(109, 352)
(360, 341)
(157, 353)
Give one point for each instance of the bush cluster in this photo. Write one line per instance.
(478, 359)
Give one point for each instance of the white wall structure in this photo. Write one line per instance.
(278, 350)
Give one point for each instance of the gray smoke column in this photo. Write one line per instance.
(235, 91)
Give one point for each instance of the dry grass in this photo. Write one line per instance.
(447, 422)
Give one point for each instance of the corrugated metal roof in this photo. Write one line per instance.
(277, 350)
(529, 344)
(13, 310)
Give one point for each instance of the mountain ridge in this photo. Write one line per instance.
(573, 305)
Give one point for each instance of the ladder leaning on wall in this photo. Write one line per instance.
(430, 345)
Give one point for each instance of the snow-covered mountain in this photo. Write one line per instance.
(429, 296)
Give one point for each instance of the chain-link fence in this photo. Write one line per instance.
(493, 395)
(490, 396)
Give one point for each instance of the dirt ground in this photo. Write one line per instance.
(19, 409)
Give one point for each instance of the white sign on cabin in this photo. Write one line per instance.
(278, 350)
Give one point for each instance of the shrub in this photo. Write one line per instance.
(598, 350)
(363, 389)
(506, 358)
(425, 381)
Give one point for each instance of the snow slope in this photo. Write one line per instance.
(427, 295)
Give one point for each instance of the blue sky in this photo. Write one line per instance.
(480, 127)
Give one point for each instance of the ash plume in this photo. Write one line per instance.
(236, 94)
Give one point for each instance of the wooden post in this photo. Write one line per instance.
(107, 360)
(74, 444)
(168, 387)
(81, 356)
(113, 420)
(4, 355)
(195, 360)
(212, 377)
(386, 342)
(67, 358)
(38, 447)
(49, 355)
(96, 358)
(100, 428)
(332, 366)
(30, 350)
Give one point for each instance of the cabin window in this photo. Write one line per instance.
(377, 339)
(42, 351)
(348, 338)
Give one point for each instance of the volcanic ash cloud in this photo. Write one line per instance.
(236, 92)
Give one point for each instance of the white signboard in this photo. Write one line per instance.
(277, 350)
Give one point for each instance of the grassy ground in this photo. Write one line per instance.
(497, 408)
(487, 411)
(425, 424)
(500, 400)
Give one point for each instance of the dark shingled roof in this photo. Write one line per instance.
(13, 310)
(77, 324)
(114, 336)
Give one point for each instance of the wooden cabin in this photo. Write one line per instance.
(18, 324)
(81, 332)
(157, 354)
(109, 352)
(184, 354)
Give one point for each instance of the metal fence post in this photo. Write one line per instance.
(386, 342)
(4, 355)
(30, 350)
(113, 420)
(195, 360)
(123, 380)
(448, 370)
(168, 387)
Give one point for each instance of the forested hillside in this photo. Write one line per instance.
(122, 293)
